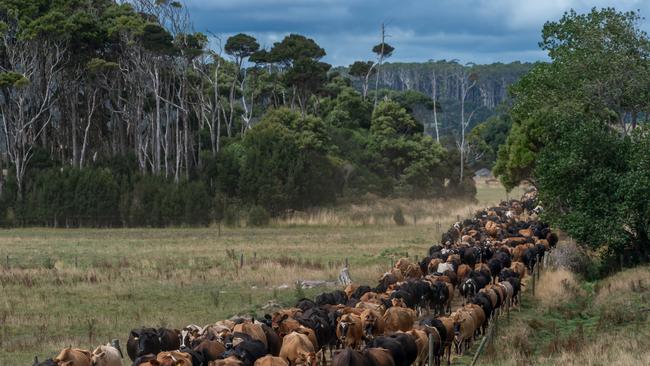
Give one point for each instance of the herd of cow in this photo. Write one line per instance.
(483, 260)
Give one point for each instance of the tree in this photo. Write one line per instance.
(29, 76)
(383, 51)
(363, 71)
(599, 66)
(467, 82)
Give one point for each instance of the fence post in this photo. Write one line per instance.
(75, 261)
(430, 350)
(347, 263)
(533, 282)
(241, 261)
(7, 261)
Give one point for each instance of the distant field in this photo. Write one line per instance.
(84, 287)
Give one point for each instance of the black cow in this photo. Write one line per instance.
(495, 265)
(408, 345)
(393, 346)
(360, 291)
(143, 341)
(247, 351)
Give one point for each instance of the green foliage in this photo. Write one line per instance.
(485, 139)
(361, 68)
(287, 168)
(241, 46)
(383, 49)
(295, 47)
(258, 216)
(600, 67)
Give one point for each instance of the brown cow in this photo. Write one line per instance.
(254, 330)
(73, 357)
(271, 361)
(174, 358)
(349, 330)
(422, 341)
(448, 323)
(298, 350)
(413, 271)
(398, 318)
(480, 319)
(288, 325)
(371, 324)
(519, 268)
(462, 272)
(211, 350)
(433, 265)
(464, 329)
(379, 356)
(349, 289)
(491, 228)
(402, 264)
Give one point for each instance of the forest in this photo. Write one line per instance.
(120, 114)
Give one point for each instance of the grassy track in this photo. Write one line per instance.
(84, 286)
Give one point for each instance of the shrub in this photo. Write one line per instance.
(258, 216)
(398, 217)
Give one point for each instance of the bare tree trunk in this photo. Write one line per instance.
(434, 97)
(92, 104)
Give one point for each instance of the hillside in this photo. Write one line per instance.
(491, 88)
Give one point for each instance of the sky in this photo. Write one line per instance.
(479, 31)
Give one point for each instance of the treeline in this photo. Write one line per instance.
(119, 114)
(580, 133)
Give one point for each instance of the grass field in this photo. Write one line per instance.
(83, 287)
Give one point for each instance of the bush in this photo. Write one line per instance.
(258, 216)
(398, 217)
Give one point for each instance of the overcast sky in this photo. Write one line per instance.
(480, 31)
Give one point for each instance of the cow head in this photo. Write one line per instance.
(369, 319)
(147, 341)
(308, 358)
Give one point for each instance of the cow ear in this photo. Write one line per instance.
(267, 316)
(284, 317)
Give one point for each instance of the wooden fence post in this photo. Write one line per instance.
(347, 263)
(7, 261)
(533, 280)
(241, 261)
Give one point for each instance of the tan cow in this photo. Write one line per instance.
(288, 325)
(349, 330)
(106, 356)
(174, 358)
(422, 341)
(254, 330)
(298, 350)
(465, 323)
(73, 357)
(399, 318)
(372, 323)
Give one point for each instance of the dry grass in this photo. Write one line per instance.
(612, 348)
(634, 280)
(556, 287)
